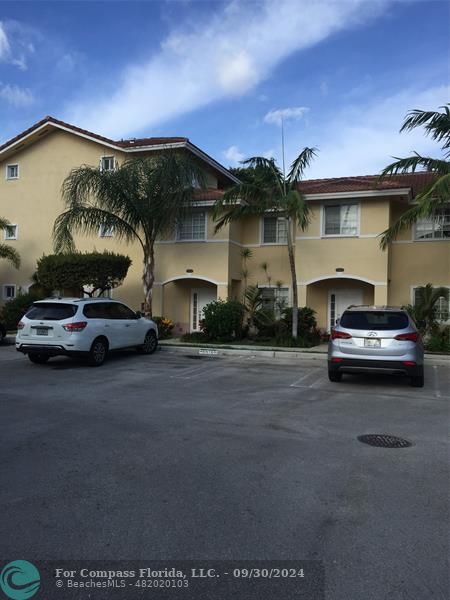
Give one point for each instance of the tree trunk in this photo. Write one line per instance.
(148, 279)
(290, 242)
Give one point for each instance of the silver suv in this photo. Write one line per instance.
(369, 339)
(88, 327)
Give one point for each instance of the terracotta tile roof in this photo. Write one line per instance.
(135, 142)
(415, 181)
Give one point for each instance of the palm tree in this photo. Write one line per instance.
(424, 310)
(140, 200)
(6, 251)
(437, 125)
(265, 188)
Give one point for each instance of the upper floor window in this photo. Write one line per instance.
(9, 291)
(340, 219)
(12, 171)
(192, 227)
(274, 230)
(436, 227)
(107, 163)
(441, 308)
(106, 231)
(10, 232)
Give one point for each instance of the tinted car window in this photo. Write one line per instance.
(51, 311)
(377, 320)
(97, 310)
(120, 311)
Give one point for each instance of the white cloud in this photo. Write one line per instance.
(223, 57)
(234, 155)
(274, 117)
(5, 47)
(15, 95)
(363, 138)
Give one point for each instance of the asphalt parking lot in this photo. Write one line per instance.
(176, 456)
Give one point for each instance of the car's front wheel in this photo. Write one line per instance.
(150, 343)
(98, 352)
(38, 359)
(334, 375)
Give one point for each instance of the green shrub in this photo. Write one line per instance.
(76, 271)
(195, 337)
(165, 327)
(306, 319)
(14, 309)
(223, 321)
(439, 340)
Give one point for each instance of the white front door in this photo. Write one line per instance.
(339, 300)
(199, 299)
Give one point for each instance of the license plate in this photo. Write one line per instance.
(372, 343)
(41, 331)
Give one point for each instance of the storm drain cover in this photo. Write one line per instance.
(382, 440)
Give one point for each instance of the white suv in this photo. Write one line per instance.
(88, 327)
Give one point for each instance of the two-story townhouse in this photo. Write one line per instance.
(34, 165)
(338, 258)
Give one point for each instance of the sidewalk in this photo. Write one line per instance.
(316, 352)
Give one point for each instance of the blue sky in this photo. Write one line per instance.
(343, 73)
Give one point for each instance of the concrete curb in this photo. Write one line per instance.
(265, 352)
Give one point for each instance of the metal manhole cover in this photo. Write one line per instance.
(384, 441)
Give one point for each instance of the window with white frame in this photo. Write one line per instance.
(274, 230)
(192, 227)
(107, 163)
(12, 171)
(10, 232)
(340, 219)
(106, 231)
(9, 291)
(441, 308)
(436, 227)
(275, 299)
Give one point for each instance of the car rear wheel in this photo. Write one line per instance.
(98, 352)
(38, 359)
(150, 343)
(334, 376)
(418, 380)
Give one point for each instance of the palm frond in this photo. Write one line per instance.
(422, 210)
(412, 163)
(301, 163)
(436, 124)
(88, 220)
(297, 209)
(9, 253)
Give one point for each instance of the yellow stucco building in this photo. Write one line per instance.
(338, 258)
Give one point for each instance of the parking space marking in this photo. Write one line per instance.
(309, 373)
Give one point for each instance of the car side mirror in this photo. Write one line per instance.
(138, 314)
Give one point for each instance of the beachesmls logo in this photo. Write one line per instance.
(20, 580)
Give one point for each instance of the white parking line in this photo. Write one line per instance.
(311, 372)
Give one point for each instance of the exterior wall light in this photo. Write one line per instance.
(340, 270)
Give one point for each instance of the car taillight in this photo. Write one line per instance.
(339, 335)
(20, 325)
(407, 337)
(78, 326)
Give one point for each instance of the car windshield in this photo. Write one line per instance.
(51, 311)
(377, 320)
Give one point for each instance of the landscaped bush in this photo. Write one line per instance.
(165, 327)
(14, 309)
(196, 337)
(439, 340)
(223, 321)
(306, 319)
